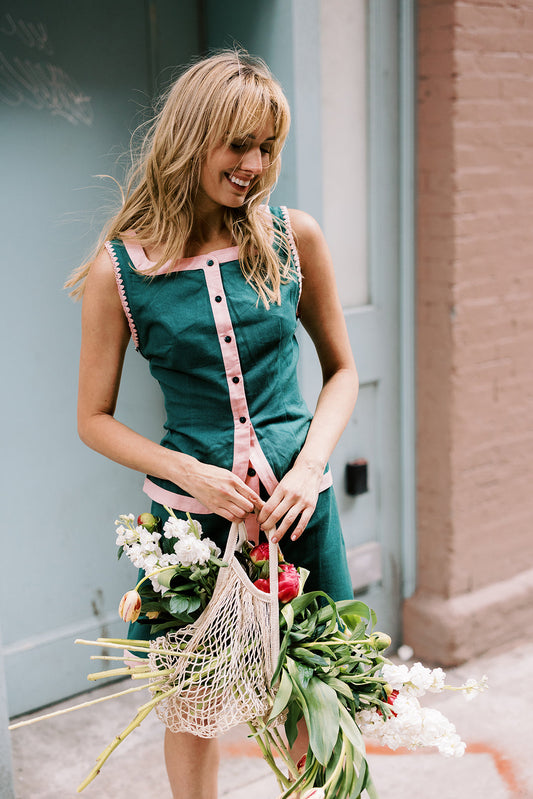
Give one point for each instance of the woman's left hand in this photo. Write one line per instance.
(294, 498)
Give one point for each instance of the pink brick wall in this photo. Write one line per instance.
(475, 301)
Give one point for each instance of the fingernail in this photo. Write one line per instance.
(293, 538)
(274, 540)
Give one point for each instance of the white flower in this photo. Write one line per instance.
(438, 677)
(473, 687)
(419, 680)
(175, 528)
(411, 726)
(135, 554)
(150, 563)
(191, 550)
(396, 676)
(213, 547)
(148, 541)
(168, 560)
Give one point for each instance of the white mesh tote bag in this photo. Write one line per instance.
(222, 664)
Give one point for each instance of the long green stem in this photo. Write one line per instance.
(283, 781)
(142, 713)
(80, 706)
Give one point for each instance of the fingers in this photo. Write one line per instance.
(284, 510)
(221, 491)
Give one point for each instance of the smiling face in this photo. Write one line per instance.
(230, 170)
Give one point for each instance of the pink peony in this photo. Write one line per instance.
(288, 583)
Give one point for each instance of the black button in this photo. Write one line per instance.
(218, 298)
(227, 339)
(210, 262)
(242, 419)
(235, 379)
(251, 472)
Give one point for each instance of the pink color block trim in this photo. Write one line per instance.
(122, 293)
(172, 499)
(142, 263)
(295, 256)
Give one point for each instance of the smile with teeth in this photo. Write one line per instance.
(238, 182)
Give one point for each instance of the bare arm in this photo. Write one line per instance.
(105, 336)
(321, 314)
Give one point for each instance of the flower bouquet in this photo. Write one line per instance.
(331, 671)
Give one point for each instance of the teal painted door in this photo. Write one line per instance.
(362, 57)
(75, 80)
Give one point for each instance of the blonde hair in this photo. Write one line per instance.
(223, 98)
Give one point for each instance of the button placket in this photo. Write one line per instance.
(232, 367)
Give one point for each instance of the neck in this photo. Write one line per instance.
(209, 231)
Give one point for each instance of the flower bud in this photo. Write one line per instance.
(130, 606)
(380, 641)
(288, 582)
(259, 554)
(152, 614)
(148, 521)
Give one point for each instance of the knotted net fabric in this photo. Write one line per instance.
(221, 666)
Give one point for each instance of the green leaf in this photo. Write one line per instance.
(350, 607)
(351, 730)
(194, 603)
(294, 715)
(178, 604)
(338, 686)
(361, 783)
(287, 612)
(301, 602)
(120, 552)
(308, 657)
(157, 628)
(305, 674)
(164, 577)
(323, 718)
(283, 695)
(217, 562)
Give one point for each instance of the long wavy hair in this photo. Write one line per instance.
(223, 98)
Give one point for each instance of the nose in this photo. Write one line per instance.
(252, 160)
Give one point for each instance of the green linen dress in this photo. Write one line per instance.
(227, 367)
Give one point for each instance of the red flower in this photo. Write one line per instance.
(288, 583)
(392, 696)
(259, 554)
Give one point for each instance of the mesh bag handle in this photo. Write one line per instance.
(236, 538)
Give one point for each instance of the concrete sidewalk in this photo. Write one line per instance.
(52, 757)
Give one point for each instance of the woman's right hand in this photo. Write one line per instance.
(221, 491)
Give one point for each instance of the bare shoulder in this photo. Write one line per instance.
(305, 227)
(102, 268)
(101, 291)
(313, 251)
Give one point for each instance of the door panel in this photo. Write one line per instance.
(74, 82)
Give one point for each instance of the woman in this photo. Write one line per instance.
(208, 281)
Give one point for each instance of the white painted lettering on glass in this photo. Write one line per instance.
(41, 85)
